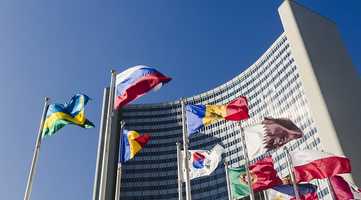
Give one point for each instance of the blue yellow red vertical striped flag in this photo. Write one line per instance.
(199, 115)
(131, 144)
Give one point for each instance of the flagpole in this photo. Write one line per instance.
(119, 179)
(119, 169)
(29, 184)
(245, 154)
(332, 192)
(290, 170)
(98, 167)
(265, 194)
(229, 190)
(185, 150)
(110, 113)
(180, 179)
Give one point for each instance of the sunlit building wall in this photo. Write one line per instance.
(275, 85)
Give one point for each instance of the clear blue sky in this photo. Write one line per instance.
(61, 47)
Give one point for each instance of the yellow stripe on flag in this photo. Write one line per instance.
(79, 119)
(214, 113)
(133, 144)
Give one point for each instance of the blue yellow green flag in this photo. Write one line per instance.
(59, 115)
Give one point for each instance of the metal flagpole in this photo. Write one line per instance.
(265, 194)
(229, 190)
(332, 192)
(110, 113)
(245, 154)
(180, 179)
(119, 179)
(185, 150)
(98, 167)
(36, 152)
(119, 169)
(290, 170)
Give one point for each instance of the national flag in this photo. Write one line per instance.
(344, 190)
(272, 133)
(312, 164)
(59, 115)
(200, 115)
(263, 176)
(131, 144)
(203, 162)
(285, 192)
(135, 82)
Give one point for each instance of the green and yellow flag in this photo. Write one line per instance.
(59, 115)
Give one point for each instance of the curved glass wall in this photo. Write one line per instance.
(273, 88)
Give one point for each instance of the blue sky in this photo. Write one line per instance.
(61, 47)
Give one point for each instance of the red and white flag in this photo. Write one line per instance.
(343, 190)
(312, 164)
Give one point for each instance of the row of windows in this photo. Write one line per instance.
(198, 185)
(273, 77)
(205, 96)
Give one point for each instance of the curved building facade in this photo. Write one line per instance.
(275, 86)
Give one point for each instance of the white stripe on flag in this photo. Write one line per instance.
(306, 156)
(127, 73)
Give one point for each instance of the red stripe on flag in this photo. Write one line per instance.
(237, 109)
(143, 139)
(341, 188)
(322, 168)
(139, 88)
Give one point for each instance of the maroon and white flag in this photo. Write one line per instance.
(272, 133)
(313, 164)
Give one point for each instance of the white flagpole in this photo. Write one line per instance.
(104, 173)
(119, 170)
(98, 167)
(292, 175)
(180, 179)
(332, 192)
(245, 154)
(119, 179)
(265, 194)
(186, 153)
(229, 190)
(29, 184)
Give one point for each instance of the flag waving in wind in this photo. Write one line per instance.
(59, 115)
(344, 190)
(203, 162)
(306, 191)
(272, 133)
(263, 176)
(131, 144)
(199, 115)
(135, 82)
(312, 164)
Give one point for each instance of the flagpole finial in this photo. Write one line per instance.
(47, 98)
(112, 71)
(183, 99)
